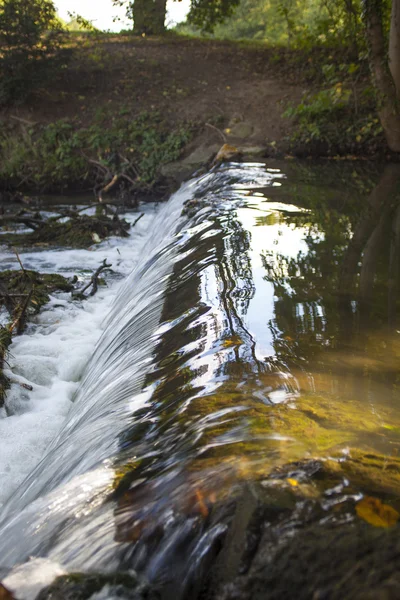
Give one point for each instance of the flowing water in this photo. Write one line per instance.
(258, 329)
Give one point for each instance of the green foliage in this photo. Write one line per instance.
(206, 14)
(299, 23)
(79, 23)
(59, 154)
(28, 43)
(340, 117)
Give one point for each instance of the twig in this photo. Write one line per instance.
(137, 220)
(25, 121)
(19, 260)
(131, 166)
(26, 386)
(113, 182)
(223, 136)
(94, 281)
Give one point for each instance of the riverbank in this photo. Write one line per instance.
(123, 108)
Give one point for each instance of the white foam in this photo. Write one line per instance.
(52, 354)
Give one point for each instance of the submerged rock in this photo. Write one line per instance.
(299, 535)
(82, 586)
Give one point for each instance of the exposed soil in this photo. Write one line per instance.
(190, 80)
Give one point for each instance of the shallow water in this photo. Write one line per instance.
(258, 329)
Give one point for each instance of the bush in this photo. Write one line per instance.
(28, 44)
(60, 155)
(340, 118)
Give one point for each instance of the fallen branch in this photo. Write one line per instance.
(19, 321)
(223, 136)
(113, 182)
(94, 282)
(19, 260)
(29, 221)
(24, 121)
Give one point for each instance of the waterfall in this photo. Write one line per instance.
(149, 437)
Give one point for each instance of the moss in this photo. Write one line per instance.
(80, 231)
(25, 283)
(369, 472)
(81, 586)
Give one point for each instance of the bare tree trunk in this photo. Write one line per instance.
(383, 80)
(394, 45)
(149, 16)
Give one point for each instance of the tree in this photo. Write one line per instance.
(149, 15)
(26, 45)
(385, 67)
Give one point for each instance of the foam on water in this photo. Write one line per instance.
(53, 352)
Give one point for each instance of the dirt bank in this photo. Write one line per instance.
(185, 79)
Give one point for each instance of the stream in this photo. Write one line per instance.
(244, 354)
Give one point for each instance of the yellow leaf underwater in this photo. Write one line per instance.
(234, 340)
(292, 482)
(376, 513)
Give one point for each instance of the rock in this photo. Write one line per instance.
(226, 152)
(26, 580)
(82, 586)
(241, 130)
(184, 168)
(253, 151)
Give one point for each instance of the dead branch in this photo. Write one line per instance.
(137, 220)
(94, 282)
(19, 260)
(109, 186)
(19, 321)
(24, 121)
(223, 136)
(28, 221)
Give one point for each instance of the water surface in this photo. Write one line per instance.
(260, 330)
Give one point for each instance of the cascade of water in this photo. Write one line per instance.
(63, 503)
(203, 381)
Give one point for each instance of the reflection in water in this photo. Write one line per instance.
(277, 342)
(278, 361)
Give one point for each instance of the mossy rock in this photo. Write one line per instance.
(80, 231)
(24, 282)
(81, 586)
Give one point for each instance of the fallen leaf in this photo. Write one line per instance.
(202, 507)
(234, 340)
(374, 512)
(292, 482)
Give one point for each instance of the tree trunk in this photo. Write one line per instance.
(394, 45)
(149, 16)
(383, 80)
